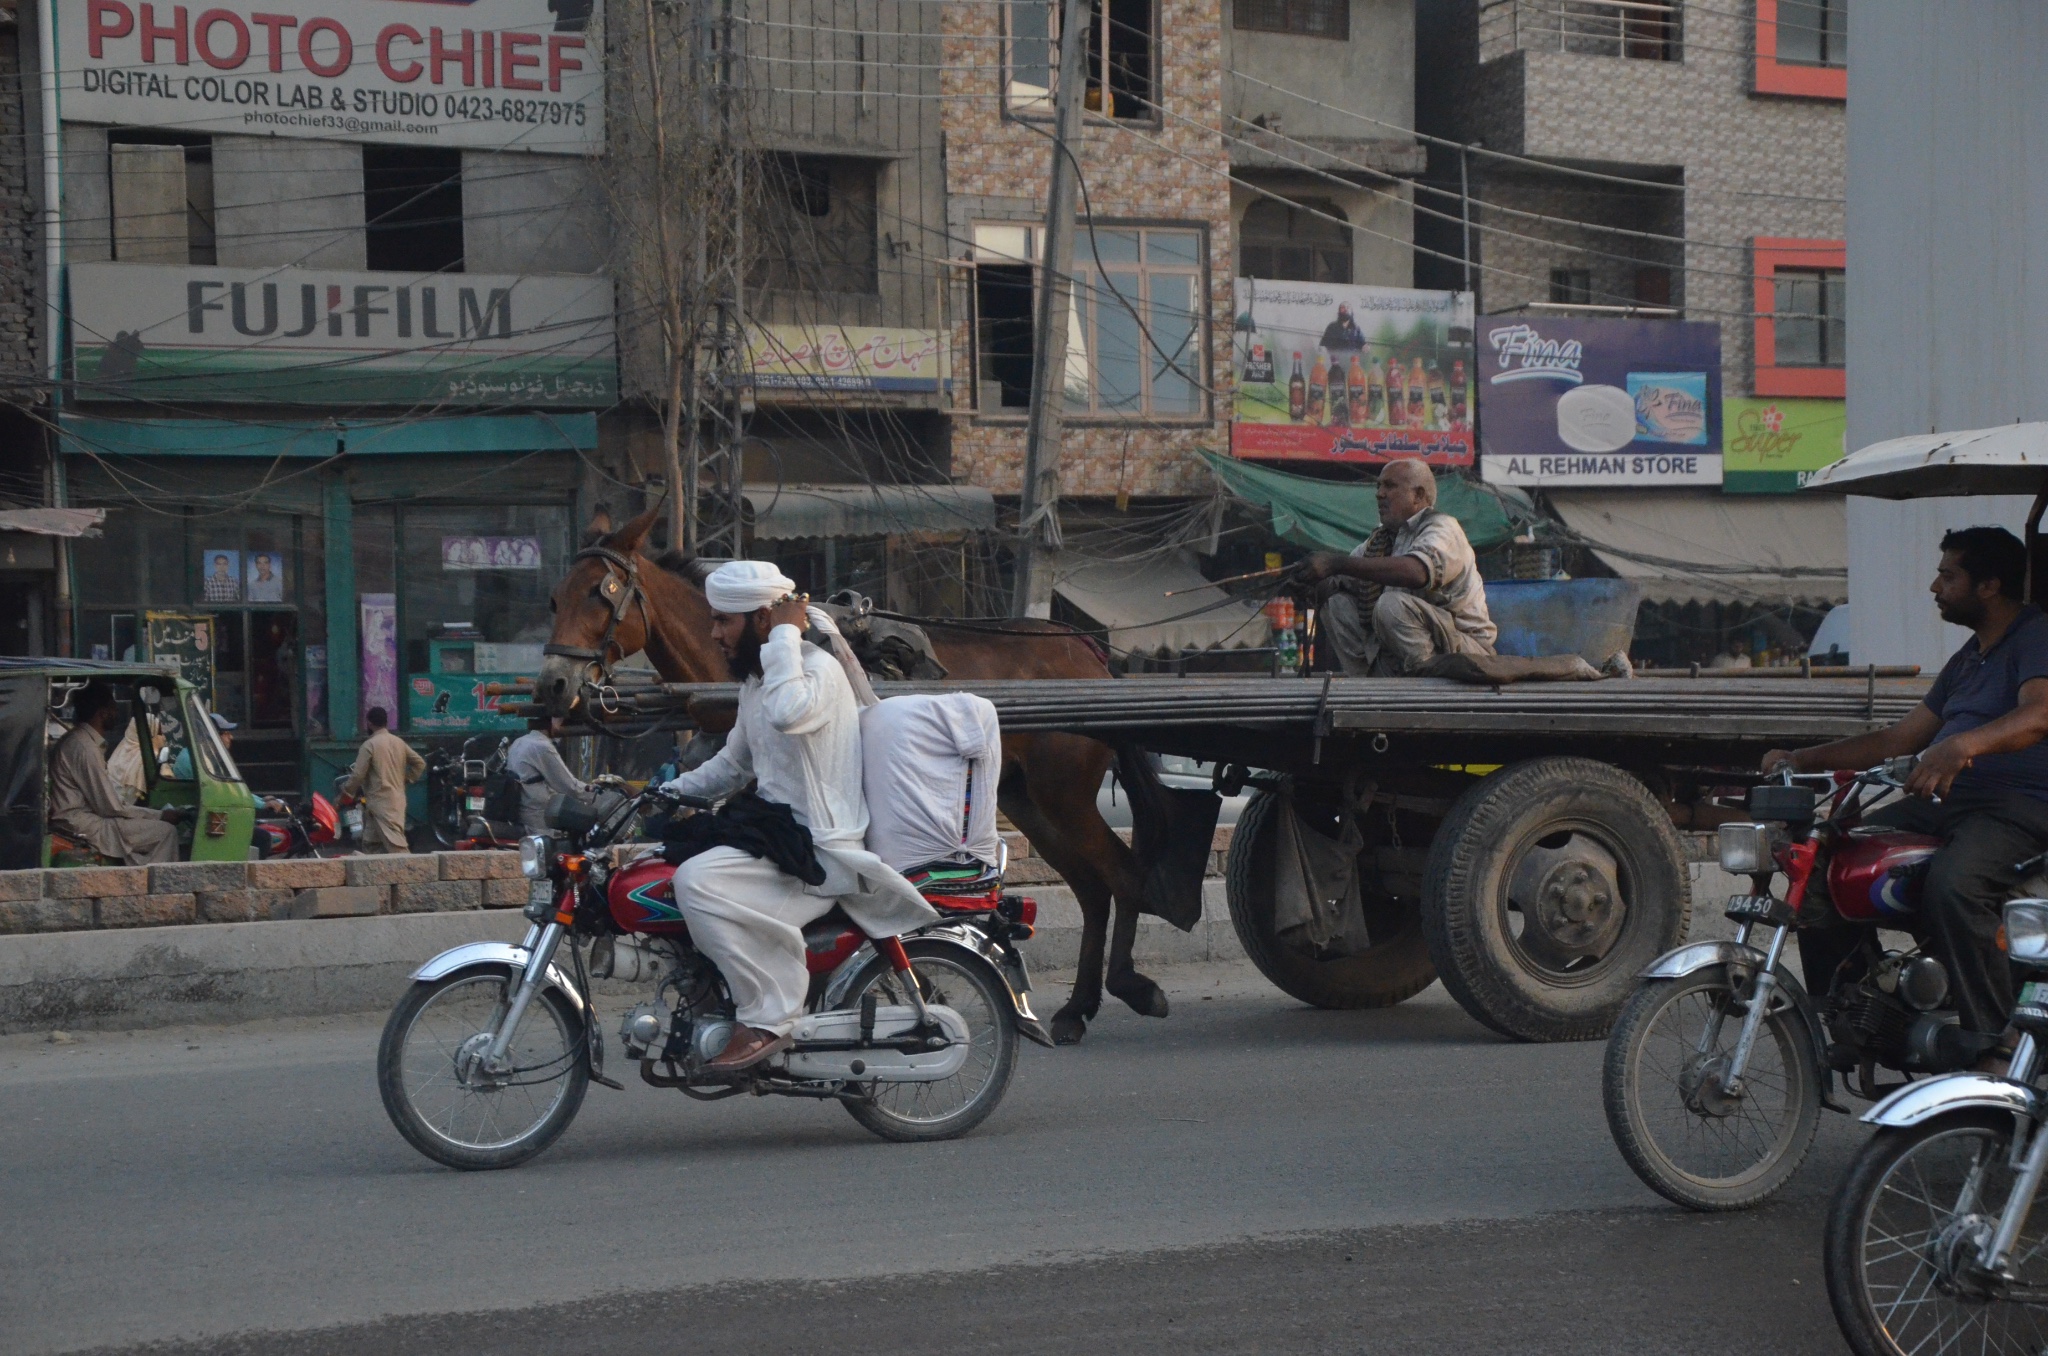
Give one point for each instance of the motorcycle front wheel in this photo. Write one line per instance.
(1903, 1238)
(438, 1093)
(949, 1108)
(1677, 1128)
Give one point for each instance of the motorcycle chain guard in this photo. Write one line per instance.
(880, 1061)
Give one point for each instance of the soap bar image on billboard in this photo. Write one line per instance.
(1567, 402)
(1360, 374)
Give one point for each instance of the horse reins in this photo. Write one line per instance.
(620, 594)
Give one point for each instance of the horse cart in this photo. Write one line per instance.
(1528, 844)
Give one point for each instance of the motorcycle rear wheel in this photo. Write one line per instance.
(1897, 1247)
(452, 1115)
(1686, 1140)
(912, 1113)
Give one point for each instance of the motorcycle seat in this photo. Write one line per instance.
(958, 887)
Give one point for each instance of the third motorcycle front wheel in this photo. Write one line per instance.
(1903, 1239)
(1675, 1124)
(949, 1108)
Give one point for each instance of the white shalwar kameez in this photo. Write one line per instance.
(798, 736)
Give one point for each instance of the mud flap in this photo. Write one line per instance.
(1172, 830)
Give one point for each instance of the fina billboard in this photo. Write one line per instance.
(501, 75)
(1599, 402)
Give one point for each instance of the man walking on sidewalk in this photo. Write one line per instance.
(382, 769)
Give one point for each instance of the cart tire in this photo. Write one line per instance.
(1389, 972)
(1611, 893)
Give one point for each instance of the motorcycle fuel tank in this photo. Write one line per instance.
(1872, 880)
(642, 896)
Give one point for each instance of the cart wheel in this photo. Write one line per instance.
(1395, 967)
(1550, 886)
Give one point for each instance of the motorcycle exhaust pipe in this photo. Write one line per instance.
(624, 959)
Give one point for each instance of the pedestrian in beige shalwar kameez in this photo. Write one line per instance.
(383, 767)
(86, 802)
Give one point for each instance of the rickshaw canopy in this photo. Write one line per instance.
(2008, 459)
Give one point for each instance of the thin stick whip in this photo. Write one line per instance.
(1233, 579)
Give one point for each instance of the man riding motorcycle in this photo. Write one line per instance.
(798, 738)
(1981, 785)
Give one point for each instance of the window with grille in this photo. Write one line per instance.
(1571, 286)
(1809, 319)
(1289, 242)
(1309, 18)
(1136, 338)
(1814, 32)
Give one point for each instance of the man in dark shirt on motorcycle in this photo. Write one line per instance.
(1981, 784)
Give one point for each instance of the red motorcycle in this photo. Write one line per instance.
(311, 830)
(487, 1058)
(1718, 1067)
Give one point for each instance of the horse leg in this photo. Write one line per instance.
(1139, 993)
(1070, 1023)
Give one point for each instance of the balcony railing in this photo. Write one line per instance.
(1641, 30)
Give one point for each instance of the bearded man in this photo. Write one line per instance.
(798, 738)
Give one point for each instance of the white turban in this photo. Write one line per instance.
(742, 586)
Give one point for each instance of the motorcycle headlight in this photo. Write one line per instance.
(1745, 849)
(533, 856)
(2026, 931)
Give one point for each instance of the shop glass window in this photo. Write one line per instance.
(1810, 317)
(1295, 242)
(1814, 32)
(1308, 18)
(1135, 340)
(480, 574)
(1120, 63)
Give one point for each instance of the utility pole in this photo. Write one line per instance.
(1465, 213)
(717, 430)
(1038, 506)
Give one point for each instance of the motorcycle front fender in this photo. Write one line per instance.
(1695, 956)
(474, 955)
(1931, 1097)
(1008, 967)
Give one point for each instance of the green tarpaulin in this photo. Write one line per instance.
(1336, 516)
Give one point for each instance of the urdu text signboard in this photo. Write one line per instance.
(1775, 446)
(502, 75)
(844, 358)
(1599, 402)
(1351, 374)
(308, 336)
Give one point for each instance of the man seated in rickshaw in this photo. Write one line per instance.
(87, 804)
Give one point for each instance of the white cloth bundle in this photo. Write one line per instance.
(929, 767)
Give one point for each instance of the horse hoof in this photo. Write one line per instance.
(1140, 994)
(1068, 1028)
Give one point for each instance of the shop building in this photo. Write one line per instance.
(337, 337)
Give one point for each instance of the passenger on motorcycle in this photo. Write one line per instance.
(798, 738)
(1982, 781)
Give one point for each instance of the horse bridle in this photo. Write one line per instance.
(621, 590)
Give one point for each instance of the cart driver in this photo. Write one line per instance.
(1410, 592)
(85, 801)
(1981, 785)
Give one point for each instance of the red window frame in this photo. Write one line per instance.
(1795, 79)
(1772, 253)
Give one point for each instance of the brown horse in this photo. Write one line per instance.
(615, 602)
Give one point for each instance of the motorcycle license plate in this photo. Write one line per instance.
(473, 803)
(541, 894)
(1758, 907)
(2034, 994)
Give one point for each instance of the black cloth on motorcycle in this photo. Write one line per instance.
(760, 828)
(1984, 835)
(502, 796)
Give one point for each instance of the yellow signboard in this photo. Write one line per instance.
(845, 358)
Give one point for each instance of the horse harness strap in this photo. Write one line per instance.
(619, 593)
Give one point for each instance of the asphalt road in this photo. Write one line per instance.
(1248, 1175)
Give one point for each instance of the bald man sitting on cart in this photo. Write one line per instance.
(1410, 593)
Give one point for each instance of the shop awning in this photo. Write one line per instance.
(782, 512)
(1336, 515)
(273, 438)
(54, 522)
(1128, 599)
(1702, 545)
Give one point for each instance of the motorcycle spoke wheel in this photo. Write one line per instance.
(451, 1108)
(1903, 1235)
(951, 1106)
(1679, 1130)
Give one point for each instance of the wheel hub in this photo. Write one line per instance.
(1703, 1083)
(473, 1066)
(1571, 902)
(1954, 1253)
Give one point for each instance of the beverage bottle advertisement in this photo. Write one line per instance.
(1359, 374)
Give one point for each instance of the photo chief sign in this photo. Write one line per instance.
(508, 75)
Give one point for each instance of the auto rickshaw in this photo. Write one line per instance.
(165, 717)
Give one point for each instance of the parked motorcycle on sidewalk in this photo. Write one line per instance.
(1720, 1064)
(313, 829)
(486, 1059)
(1932, 1242)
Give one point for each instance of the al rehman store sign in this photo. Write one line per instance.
(311, 336)
(524, 75)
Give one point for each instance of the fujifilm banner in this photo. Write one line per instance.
(311, 336)
(502, 75)
(1599, 402)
